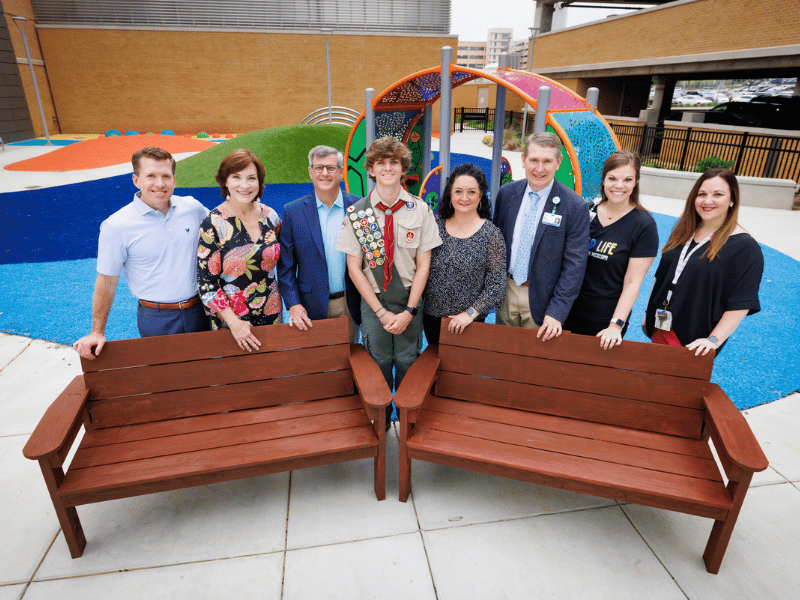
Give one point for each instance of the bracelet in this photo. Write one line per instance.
(385, 310)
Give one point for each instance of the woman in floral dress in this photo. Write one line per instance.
(238, 251)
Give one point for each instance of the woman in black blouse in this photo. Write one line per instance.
(623, 243)
(468, 271)
(710, 271)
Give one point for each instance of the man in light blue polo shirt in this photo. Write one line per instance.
(154, 239)
(312, 274)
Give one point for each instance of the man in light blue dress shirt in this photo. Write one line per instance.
(312, 274)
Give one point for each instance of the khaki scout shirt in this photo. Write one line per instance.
(415, 232)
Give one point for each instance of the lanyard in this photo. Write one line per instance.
(684, 258)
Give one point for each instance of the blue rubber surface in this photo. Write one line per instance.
(48, 263)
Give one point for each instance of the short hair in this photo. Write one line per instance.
(322, 152)
(446, 210)
(153, 153)
(236, 161)
(387, 147)
(622, 158)
(545, 139)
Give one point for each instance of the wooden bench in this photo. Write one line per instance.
(178, 411)
(631, 424)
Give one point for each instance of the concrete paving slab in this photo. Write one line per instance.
(768, 477)
(775, 425)
(761, 560)
(450, 497)
(252, 577)
(30, 383)
(11, 592)
(11, 346)
(587, 554)
(203, 523)
(391, 568)
(336, 503)
(27, 520)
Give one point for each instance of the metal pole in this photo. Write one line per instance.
(533, 31)
(33, 77)
(592, 96)
(369, 118)
(445, 101)
(326, 33)
(542, 106)
(427, 126)
(499, 125)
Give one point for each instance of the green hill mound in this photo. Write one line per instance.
(283, 150)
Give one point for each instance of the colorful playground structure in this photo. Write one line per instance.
(404, 111)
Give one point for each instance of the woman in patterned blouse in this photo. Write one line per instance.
(468, 271)
(237, 252)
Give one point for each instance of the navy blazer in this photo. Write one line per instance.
(559, 254)
(302, 268)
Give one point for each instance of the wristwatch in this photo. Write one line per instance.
(472, 312)
(713, 339)
(413, 310)
(618, 322)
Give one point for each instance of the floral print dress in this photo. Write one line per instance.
(234, 271)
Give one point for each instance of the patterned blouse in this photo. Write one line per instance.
(234, 272)
(467, 272)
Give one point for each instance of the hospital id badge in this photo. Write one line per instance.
(551, 219)
(663, 319)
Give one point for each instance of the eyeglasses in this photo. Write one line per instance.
(318, 169)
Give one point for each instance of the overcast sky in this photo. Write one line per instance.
(471, 19)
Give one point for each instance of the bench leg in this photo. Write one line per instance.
(67, 515)
(722, 530)
(380, 459)
(405, 462)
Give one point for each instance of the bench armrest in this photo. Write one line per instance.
(369, 379)
(60, 424)
(418, 380)
(732, 433)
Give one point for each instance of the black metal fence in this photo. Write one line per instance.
(681, 148)
(482, 119)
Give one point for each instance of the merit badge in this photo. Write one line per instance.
(369, 255)
(356, 225)
(353, 216)
(377, 253)
(362, 240)
(351, 208)
(380, 243)
(410, 205)
(365, 248)
(364, 223)
(361, 214)
(370, 238)
(374, 227)
(370, 219)
(410, 236)
(373, 245)
(379, 261)
(368, 212)
(372, 264)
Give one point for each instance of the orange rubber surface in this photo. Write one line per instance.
(105, 152)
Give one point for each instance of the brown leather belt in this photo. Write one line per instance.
(175, 306)
(336, 296)
(525, 284)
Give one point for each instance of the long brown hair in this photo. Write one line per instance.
(686, 226)
(622, 158)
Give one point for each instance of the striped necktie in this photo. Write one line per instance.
(519, 270)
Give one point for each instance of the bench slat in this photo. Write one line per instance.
(217, 371)
(217, 438)
(575, 427)
(573, 445)
(581, 349)
(143, 431)
(585, 475)
(665, 389)
(686, 422)
(113, 412)
(209, 344)
(107, 482)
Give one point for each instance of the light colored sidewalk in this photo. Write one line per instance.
(319, 533)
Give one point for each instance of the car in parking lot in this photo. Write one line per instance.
(772, 112)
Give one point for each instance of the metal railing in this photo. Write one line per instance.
(750, 154)
(340, 115)
(482, 119)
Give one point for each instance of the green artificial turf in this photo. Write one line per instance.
(283, 150)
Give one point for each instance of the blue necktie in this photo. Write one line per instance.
(519, 270)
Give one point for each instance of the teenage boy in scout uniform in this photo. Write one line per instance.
(388, 237)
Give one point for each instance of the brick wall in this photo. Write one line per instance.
(217, 82)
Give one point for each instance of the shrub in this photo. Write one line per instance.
(712, 162)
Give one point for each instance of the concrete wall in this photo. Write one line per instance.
(15, 119)
(224, 82)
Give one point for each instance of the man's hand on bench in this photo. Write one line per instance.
(550, 329)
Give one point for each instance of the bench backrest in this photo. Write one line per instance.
(167, 377)
(636, 385)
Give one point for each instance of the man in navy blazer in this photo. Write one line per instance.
(546, 229)
(312, 274)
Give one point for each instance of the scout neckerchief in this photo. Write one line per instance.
(388, 235)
